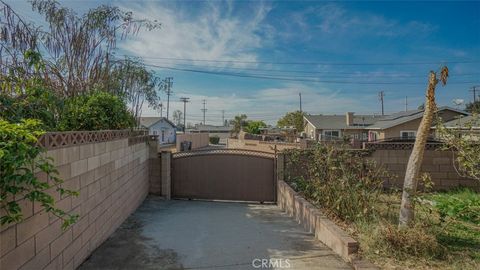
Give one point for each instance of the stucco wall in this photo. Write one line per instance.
(112, 178)
(394, 132)
(310, 131)
(169, 132)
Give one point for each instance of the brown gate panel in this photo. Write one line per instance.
(224, 175)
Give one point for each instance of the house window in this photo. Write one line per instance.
(331, 134)
(407, 134)
(163, 135)
(154, 132)
(372, 136)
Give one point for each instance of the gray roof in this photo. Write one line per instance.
(149, 121)
(463, 122)
(340, 122)
(207, 128)
(403, 117)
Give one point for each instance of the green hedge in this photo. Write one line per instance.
(214, 140)
(95, 111)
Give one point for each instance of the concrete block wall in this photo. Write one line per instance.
(439, 164)
(314, 221)
(198, 140)
(262, 146)
(113, 180)
(325, 230)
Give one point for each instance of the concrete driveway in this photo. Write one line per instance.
(211, 235)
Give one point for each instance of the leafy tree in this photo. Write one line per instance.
(294, 119)
(414, 164)
(253, 127)
(238, 123)
(131, 80)
(473, 107)
(95, 111)
(177, 118)
(35, 101)
(463, 141)
(20, 162)
(79, 48)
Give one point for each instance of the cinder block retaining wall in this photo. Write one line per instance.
(113, 180)
(438, 164)
(325, 230)
(312, 219)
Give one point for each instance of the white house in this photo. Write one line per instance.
(160, 126)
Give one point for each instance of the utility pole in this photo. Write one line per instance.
(406, 103)
(168, 88)
(300, 95)
(381, 95)
(204, 110)
(184, 100)
(223, 117)
(161, 109)
(474, 91)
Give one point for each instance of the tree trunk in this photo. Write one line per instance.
(416, 157)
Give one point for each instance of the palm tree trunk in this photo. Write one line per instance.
(416, 157)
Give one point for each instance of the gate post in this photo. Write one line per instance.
(166, 158)
(280, 166)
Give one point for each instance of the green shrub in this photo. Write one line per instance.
(337, 179)
(214, 140)
(20, 162)
(462, 204)
(95, 111)
(37, 103)
(253, 127)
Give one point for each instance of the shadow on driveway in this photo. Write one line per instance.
(211, 235)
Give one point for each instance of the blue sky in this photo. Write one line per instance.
(337, 54)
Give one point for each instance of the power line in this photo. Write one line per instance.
(381, 95)
(160, 106)
(223, 117)
(168, 82)
(291, 78)
(318, 63)
(204, 110)
(184, 100)
(474, 91)
(355, 73)
(300, 95)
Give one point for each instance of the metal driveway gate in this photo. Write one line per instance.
(224, 174)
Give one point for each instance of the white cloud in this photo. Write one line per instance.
(212, 33)
(333, 19)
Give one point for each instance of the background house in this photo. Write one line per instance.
(404, 125)
(335, 127)
(401, 125)
(160, 126)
